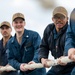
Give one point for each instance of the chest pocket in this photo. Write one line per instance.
(28, 47)
(28, 52)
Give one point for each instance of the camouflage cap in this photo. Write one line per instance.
(60, 10)
(5, 23)
(18, 15)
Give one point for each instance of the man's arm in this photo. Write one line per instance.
(70, 37)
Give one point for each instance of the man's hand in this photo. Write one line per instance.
(71, 54)
(22, 68)
(6, 67)
(60, 62)
(31, 62)
(44, 62)
(1, 67)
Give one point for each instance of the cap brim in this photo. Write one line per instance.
(17, 18)
(59, 13)
(4, 25)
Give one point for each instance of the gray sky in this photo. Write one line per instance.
(37, 17)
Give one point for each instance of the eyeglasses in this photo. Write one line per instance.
(59, 17)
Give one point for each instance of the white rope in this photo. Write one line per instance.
(39, 65)
(36, 65)
(5, 68)
(65, 60)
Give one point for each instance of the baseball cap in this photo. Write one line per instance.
(60, 10)
(5, 23)
(18, 15)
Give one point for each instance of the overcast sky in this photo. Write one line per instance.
(37, 17)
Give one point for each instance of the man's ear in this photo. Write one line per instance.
(12, 23)
(10, 29)
(24, 23)
(52, 19)
(67, 18)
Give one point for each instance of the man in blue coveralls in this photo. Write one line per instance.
(5, 29)
(23, 47)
